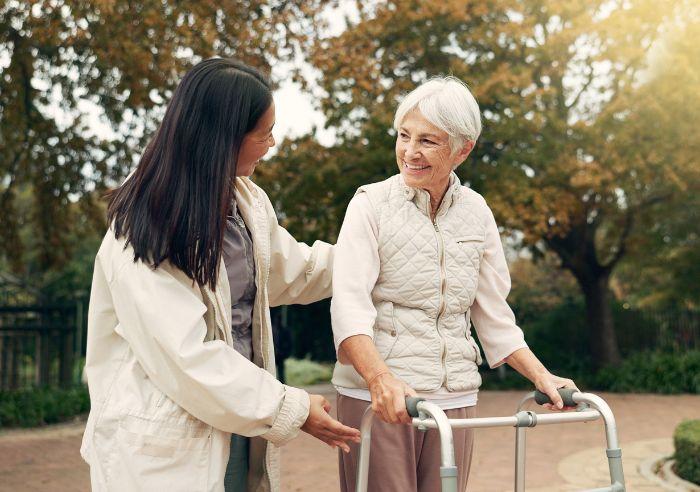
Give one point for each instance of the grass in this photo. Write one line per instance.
(305, 372)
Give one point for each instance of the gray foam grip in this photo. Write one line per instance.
(412, 405)
(565, 393)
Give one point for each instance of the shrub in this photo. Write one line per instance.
(644, 372)
(303, 372)
(38, 406)
(653, 372)
(686, 440)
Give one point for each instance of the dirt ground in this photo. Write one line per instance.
(559, 458)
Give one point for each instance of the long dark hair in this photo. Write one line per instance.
(175, 204)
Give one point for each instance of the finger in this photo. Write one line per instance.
(326, 405)
(408, 391)
(391, 412)
(342, 445)
(555, 397)
(341, 429)
(381, 409)
(400, 408)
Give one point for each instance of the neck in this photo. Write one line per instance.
(437, 193)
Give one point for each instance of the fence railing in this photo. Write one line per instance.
(41, 345)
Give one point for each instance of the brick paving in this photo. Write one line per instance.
(559, 458)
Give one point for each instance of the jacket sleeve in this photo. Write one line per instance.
(161, 317)
(493, 319)
(299, 273)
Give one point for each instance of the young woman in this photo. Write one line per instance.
(180, 352)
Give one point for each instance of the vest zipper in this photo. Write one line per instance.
(441, 306)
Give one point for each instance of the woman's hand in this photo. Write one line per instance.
(389, 398)
(324, 427)
(548, 384)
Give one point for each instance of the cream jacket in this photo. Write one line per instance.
(415, 284)
(166, 386)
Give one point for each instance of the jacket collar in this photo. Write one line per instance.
(421, 198)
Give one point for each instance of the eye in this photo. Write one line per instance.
(403, 135)
(427, 141)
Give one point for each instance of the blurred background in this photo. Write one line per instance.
(588, 158)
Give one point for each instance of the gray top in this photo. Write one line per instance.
(240, 267)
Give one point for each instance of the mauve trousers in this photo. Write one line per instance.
(402, 458)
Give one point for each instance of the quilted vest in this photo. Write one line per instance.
(426, 285)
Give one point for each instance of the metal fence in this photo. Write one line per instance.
(44, 345)
(673, 331)
(41, 345)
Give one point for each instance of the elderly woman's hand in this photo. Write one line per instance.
(389, 398)
(549, 384)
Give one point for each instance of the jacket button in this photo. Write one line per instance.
(393, 333)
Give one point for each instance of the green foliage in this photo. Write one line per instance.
(38, 406)
(686, 440)
(304, 372)
(653, 372)
(61, 69)
(588, 140)
(643, 372)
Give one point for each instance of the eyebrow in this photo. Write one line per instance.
(431, 135)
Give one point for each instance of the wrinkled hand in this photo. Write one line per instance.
(389, 398)
(324, 427)
(549, 384)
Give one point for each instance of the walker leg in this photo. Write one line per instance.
(519, 459)
(363, 461)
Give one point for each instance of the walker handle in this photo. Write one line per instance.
(412, 405)
(565, 393)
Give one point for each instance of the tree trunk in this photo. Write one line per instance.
(602, 337)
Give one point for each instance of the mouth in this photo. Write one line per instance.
(414, 167)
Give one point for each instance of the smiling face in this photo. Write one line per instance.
(256, 143)
(424, 156)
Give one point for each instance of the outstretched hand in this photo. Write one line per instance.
(324, 427)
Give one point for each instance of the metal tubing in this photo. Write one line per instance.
(519, 459)
(363, 461)
(617, 479)
(614, 454)
(599, 404)
(542, 419)
(448, 469)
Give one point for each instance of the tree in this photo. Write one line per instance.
(582, 142)
(66, 63)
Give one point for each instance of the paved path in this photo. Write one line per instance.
(560, 458)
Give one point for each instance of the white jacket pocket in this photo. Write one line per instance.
(158, 455)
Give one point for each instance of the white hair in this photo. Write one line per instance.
(447, 103)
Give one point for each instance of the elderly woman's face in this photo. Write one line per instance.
(423, 153)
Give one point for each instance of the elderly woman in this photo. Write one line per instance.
(418, 260)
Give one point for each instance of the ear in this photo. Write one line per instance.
(464, 152)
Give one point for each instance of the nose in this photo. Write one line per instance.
(412, 150)
(271, 141)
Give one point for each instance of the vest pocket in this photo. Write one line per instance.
(470, 238)
(470, 339)
(385, 332)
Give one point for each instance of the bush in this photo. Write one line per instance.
(644, 372)
(303, 372)
(686, 440)
(653, 372)
(38, 406)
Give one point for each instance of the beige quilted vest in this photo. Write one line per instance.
(427, 283)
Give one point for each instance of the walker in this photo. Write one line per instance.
(428, 415)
